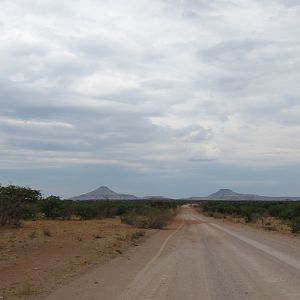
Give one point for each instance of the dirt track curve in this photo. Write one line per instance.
(198, 258)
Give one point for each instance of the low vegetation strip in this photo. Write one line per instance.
(287, 212)
(19, 203)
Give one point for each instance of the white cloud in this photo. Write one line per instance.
(148, 83)
(33, 123)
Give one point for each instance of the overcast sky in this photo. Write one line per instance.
(169, 97)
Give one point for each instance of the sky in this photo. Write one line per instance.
(163, 97)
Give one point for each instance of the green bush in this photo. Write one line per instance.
(13, 201)
(85, 211)
(66, 209)
(30, 211)
(289, 211)
(295, 225)
(51, 207)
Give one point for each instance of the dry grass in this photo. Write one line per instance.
(266, 223)
(50, 251)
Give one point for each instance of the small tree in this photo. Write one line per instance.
(12, 202)
(66, 209)
(86, 210)
(51, 207)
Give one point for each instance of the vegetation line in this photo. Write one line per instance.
(20, 203)
(287, 212)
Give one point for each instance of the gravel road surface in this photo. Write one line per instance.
(197, 258)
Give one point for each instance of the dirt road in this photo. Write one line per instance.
(199, 258)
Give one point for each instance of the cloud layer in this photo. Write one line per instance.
(154, 87)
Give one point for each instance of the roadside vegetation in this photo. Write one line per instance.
(20, 203)
(149, 216)
(287, 212)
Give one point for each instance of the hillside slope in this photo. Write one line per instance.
(104, 193)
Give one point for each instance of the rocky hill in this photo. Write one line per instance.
(227, 194)
(104, 193)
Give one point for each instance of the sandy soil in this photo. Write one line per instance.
(41, 254)
(197, 258)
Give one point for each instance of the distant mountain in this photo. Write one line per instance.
(104, 193)
(227, 194)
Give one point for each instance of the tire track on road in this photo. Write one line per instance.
(131, 292)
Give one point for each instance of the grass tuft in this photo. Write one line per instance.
(47, 232)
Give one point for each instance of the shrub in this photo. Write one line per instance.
(66, 209)
(137, 235)
(148, 218)
(13, 199)
(30, 211)
(32, 235)
(85, 211)
(158, 221)
(51, 207)
(295, 225)
(47, 232)
(129, 218)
